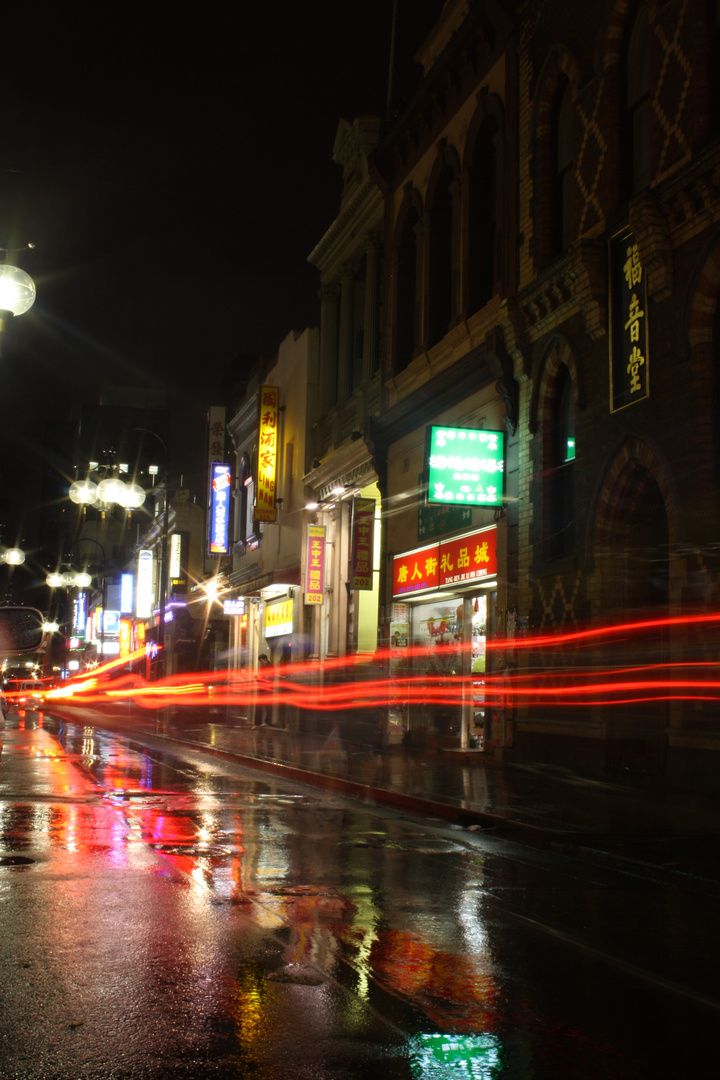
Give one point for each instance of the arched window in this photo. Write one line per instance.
(482, 218)
(561, 474)
(563, 180)
(440, 255)
(639, 109)
(407, 332)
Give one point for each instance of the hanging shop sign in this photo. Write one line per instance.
(451, 562)
(79, 619)
(315, 564)
(175, 552)
(215, 448)
(219, 539)
(279, 618)
(127, 591)
(145, 574)
(265, 491)
(234, 607)
(179, 543)
(465, 466)
(363, 544)
(125, 637)
(629, 359)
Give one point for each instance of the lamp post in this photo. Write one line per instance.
(81, 579)
(113, 490)
(153, 469)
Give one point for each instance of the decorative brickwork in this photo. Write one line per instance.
(670, 97)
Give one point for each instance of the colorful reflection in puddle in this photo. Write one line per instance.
(444, 1057)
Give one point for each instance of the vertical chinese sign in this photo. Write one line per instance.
(315, 564)
(629, 359)
(265, 501)
(219, 539)
(363, 546)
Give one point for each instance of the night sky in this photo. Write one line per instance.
(172, 164)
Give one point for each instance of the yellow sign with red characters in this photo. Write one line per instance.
(265, 490)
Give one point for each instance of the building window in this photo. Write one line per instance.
(482, 224)
(407, 333)
(440, 254)
(639, 109)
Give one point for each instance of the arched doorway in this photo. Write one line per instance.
(640, 557)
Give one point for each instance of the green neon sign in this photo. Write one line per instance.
(466, 467)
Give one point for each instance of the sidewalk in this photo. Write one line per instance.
(642, 826)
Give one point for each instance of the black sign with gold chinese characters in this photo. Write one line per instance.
(629, 360)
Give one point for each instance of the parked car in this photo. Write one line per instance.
(20, 692)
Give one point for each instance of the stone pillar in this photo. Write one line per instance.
(345, 341)
(328, 348)
(372, 307)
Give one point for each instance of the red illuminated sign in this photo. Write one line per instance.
(416, 571)
(363, 544)
(469, 557)
(315, 565)
(451, 562)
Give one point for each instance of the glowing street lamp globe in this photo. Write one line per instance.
(134, 497)
(17, 290)
(13, 556)
(111, 490)
(83, 492)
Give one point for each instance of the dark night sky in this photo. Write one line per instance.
(172, 164)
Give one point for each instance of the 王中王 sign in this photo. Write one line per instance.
(315, 564)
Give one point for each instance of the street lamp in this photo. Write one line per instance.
(17, 293)
(81, 579)
(112, 490)
(12, 556)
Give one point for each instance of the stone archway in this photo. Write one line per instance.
(633, 528)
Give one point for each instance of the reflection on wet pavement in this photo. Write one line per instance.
(276, 931)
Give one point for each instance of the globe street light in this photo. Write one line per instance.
(17, 293)
(12, 556)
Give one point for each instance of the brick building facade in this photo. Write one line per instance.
(552, 268)
(619, 165)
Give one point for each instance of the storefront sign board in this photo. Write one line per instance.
(629, 357)
(363, 544)
(265, 490)
(219, 540)
(315, 564)
(466, 466)
(279, 618)
(468, 558)
(450, 562)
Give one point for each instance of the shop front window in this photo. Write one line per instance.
(437, 634)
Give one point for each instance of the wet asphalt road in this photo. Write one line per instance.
(169, 915)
